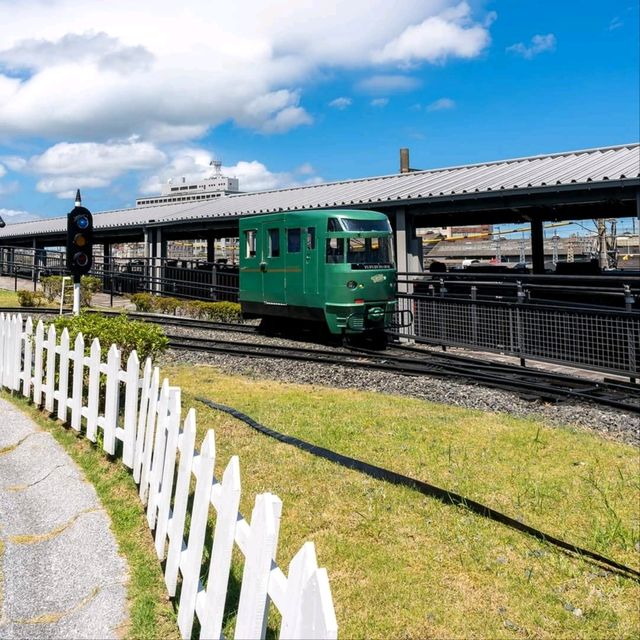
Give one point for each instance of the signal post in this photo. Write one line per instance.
(79, 246)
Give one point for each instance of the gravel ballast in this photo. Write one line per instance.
(613, 424)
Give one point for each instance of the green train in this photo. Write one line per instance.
(333, 266)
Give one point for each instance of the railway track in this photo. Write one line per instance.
(530, 384)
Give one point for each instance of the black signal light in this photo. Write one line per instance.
(79, 239)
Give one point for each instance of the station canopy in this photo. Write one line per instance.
(605, 170)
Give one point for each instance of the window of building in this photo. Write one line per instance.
(274, 243)
(293, 240)
(250, 243)
(335, 250)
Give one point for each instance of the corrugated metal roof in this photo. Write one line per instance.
(620, 163)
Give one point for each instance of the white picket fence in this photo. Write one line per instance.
(160, 450)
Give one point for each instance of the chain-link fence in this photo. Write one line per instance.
(605, 340)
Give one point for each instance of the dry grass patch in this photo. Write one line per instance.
(404, 565)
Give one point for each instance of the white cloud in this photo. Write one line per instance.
(67, 166)
(380, 102)
(539, 44)
(275, 112)
(615, 23)
(341, 103)
(12, 216)
(449, 34)
(100, 48)
(3, 171)
(170, 72)
(441, 104)
(15, 163)
(193, 163)
(388, 84)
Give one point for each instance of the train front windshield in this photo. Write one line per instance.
(370, 251)
(361, 252)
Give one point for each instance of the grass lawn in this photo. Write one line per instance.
(8, 298)
(404, 565)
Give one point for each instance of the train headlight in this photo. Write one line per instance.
(352, 284)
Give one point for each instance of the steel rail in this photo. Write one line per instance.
(529, 386)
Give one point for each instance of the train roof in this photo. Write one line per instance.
(314, 214)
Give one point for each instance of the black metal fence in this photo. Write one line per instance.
(587, 322)
(603, 338)
(190, 278)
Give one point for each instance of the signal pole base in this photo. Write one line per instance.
(76, 295)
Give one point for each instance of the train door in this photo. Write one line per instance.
(272, 264)
(250, 258)
(310, 265)
(293, 267)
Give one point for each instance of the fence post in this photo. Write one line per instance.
(151, 417)
(7, 350)
(51, 369)
(142, 419)
(2, 347)
(78, 378)
(193, 554)
(157, 461)
(521, 296)
(63, 380)
(94, 390)
(253, 606)
(37, 364)
(309, 608)
(28, 353)
(171, 452)
(17, 353)
(221, 551)
(130, 402)
(112, 399)
(186, 441)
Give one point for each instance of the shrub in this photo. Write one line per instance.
(215, 311)
(30, 298)
(148, 340)
(52, 288)
(143, 301)
(88, 286)
(166, 305)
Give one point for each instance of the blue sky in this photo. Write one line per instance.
(116, 100)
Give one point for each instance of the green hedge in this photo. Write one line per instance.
(216, 311)
(146, 339)
(52, 288)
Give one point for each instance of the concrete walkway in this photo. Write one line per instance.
(60, 572)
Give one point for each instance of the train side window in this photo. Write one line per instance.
(274, 243)
(293, 240)
(250, 243)
(335, 250)
(311, 238)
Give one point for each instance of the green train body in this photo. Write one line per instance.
(330, 266)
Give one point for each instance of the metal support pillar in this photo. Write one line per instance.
(107, 276)
(408, 247)
(408, 257)
(159, 260)
(211, 247)
(537, 246)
